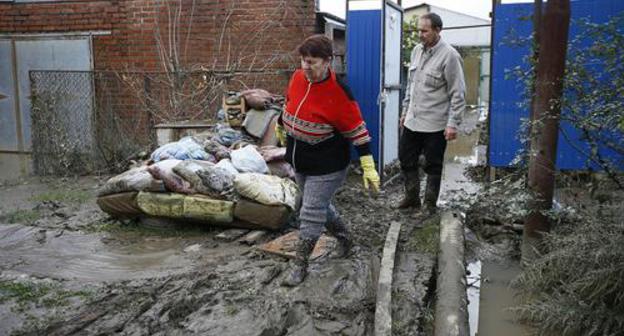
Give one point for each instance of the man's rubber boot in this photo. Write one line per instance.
(432, 192)
(411, 198)
(339, 230)
(300, 265)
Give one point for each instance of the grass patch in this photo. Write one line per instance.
(66, 196)
(44, 295)
(22, 292)
(21, 216)
(426, 239)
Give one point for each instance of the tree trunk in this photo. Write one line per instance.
(546, 110)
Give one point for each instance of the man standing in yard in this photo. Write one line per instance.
(432, 110)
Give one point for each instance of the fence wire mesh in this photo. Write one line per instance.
(86, 122)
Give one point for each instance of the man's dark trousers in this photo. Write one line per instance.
(432, 145)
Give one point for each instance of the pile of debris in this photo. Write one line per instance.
(234, 174)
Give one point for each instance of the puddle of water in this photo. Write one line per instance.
(491, 299)
(72, 255)
(473, 291)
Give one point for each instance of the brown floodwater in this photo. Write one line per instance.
(491, 297)
(94, 257)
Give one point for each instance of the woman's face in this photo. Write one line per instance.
(314, 67)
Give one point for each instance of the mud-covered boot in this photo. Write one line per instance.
(344, 243)
(299, 271)
(432, 192)
(411, 198)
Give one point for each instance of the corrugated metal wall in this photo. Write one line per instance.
(364, 40)
(512, 23)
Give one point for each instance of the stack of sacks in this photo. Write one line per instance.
(204, 186)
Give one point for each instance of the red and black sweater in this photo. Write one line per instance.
(321, 119)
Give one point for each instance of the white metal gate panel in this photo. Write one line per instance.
(48, 54)
(8, 124)
(391, 83)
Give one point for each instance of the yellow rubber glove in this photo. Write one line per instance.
(280, 134)
(370, 176)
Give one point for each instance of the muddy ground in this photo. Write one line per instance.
(67, 268)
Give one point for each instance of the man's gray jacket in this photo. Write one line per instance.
(435, 95)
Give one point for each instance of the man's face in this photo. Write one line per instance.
(314, 67)
(428, 36)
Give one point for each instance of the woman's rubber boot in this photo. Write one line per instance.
(339, 230)
(411, 198)
(299, 270)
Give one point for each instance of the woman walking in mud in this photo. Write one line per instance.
(319, 121)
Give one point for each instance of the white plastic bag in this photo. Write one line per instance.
(226, 164)
(248, 160)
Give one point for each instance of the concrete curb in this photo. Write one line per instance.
(451, 314)
(383, 313)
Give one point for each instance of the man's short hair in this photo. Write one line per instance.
(435, 19)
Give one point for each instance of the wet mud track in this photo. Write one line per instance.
(69, 270)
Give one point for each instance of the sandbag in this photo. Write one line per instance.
(267, 189)
(257, 98)
(163, 171)
(248, 160)
(184, 149)
(218, 181)
(281, 168)
(219, 151)
(189, 171)
(272, 153)
(135, 179)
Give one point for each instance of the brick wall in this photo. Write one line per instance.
(224, 35)
(254, 38)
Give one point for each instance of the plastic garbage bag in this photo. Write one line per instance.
(267, 189)
(226, 135)
(248, 160)
(135, 179)
(163, 171)
(227, 165)
(184, 149)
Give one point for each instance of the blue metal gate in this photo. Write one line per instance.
(512, 29)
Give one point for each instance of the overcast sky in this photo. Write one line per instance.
(478, 8)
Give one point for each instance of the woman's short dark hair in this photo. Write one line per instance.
(316, 46)
(435, 19)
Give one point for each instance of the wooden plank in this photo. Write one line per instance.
(231, 234)
(383, 308)
(252, 237)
